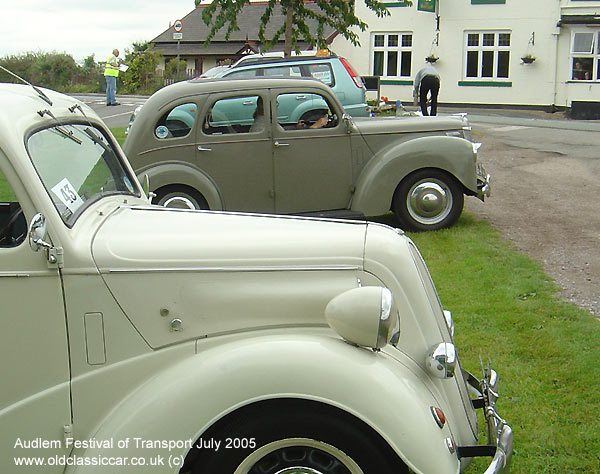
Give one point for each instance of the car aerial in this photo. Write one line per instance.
(139, 338)
(286, 146)
(333, 71)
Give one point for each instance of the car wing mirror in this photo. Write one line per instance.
(146, 188)
(37, 233)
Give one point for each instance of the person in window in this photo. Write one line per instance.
(427, 82)
(259, 117)
(578, 72)
(319, 123)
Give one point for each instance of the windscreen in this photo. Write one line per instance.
(77, 165)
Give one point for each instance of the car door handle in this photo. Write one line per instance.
(201, 148)
(300, 97)
(281, 144)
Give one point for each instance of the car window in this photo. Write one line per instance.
(177, 122)
(242, 74)
(13, 226)
(301, 110)
(286, 71)
(239, 114)
(322, 72)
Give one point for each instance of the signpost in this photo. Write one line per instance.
(178, 35)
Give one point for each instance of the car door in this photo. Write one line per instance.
(234, 149)
(35, 395)
(312, 163)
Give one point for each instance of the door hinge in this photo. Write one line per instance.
(56, 257)
(67, 433)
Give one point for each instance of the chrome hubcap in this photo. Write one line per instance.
(298, 456)
(429, 201)
(298, 470)
(179, 202)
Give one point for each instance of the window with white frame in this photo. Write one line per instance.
(391, 54)
(585, 55)
(487, 54)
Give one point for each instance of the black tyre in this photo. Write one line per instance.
(293, 437)
(180, 197)
(428, 199)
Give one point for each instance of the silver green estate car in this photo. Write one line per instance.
(139, 338)
(285, 146)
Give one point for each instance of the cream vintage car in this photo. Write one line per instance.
(285, 146)
(138, 338)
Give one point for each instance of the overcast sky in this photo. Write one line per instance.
(84, 27)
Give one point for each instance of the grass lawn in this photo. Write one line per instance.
(546, 351)
(119, 133)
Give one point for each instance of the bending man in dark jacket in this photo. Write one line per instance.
(427, 81)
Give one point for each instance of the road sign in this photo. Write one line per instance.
(427, 5)
(178, 26)
(177, 36)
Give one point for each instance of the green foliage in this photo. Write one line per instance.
(338, 14)
(175, 70)
(57, 71)
(141, 77)
(90, 65)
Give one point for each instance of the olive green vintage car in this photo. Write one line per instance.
(285, 146)
(138, 338)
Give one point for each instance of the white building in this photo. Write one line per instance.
(480, 44)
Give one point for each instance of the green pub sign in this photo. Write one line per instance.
(426, 5)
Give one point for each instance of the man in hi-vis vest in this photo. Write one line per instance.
(111, 72)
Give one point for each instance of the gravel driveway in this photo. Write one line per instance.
(544, 201)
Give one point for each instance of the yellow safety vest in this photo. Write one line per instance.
(111, 70)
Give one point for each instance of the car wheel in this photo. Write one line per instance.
(180, 197)
(428, 199)
(297, 438)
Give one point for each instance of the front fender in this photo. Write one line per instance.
(181, 402)
(379, 179)
(169, 173)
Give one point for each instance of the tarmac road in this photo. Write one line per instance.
(114, 116)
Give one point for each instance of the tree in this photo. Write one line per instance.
(141, 76)
(338, 14)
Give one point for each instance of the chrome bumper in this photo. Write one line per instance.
(483, 182)
(500, 435)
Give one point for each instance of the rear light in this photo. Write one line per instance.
(355, 77)
(438, 416)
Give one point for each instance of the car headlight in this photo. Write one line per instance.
(363, 316)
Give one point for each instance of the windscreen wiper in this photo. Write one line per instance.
(59, 128)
